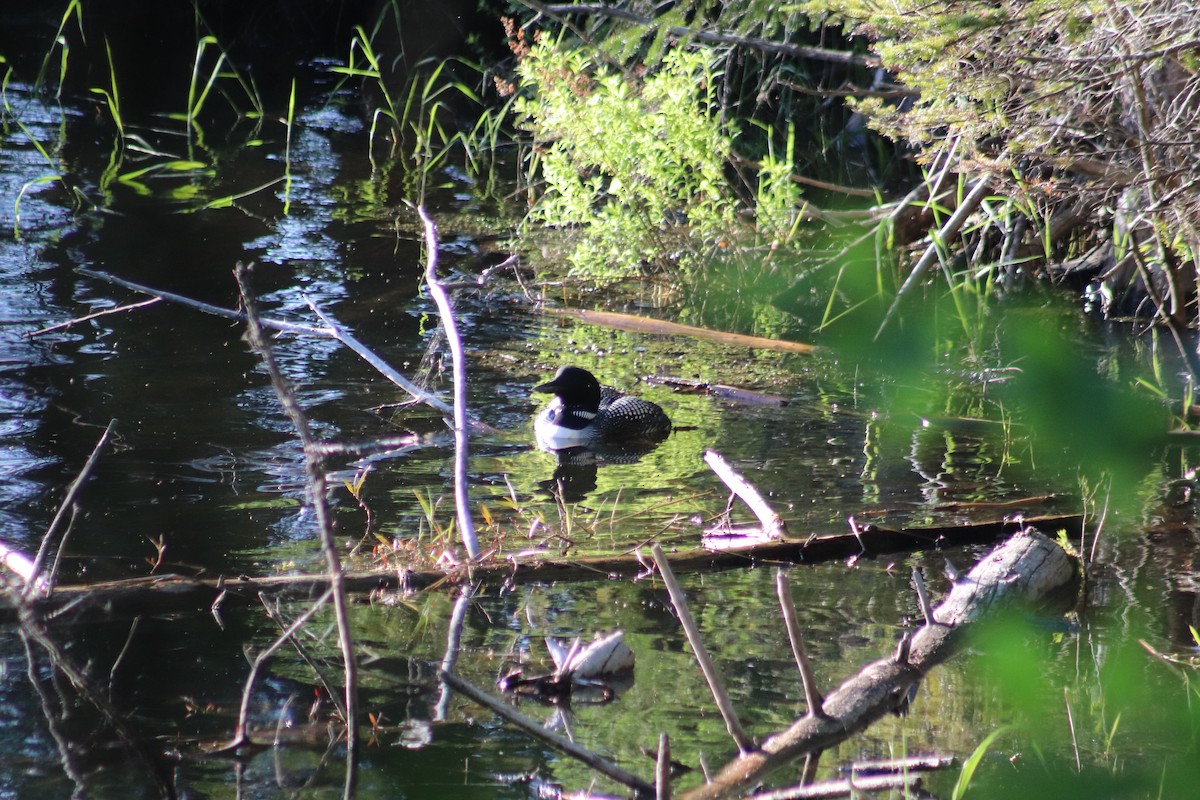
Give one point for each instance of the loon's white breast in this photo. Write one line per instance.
(557, 427)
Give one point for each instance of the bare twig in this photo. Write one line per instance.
(1099, 526)
(532, 728)
(662, 769)
(273, 614)
(918, 581)
(743, 741)
(462, 500)
(94, 315)
(241, 736)
(318, 489)
(37, 583)
(812, 697)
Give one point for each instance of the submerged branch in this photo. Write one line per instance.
(565, 745)
(241, 735)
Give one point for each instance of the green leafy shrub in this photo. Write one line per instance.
(635, 164)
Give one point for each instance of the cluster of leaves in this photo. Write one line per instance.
(633, 160)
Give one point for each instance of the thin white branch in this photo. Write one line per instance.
(462, 500)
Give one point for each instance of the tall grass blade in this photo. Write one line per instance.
(972, 763)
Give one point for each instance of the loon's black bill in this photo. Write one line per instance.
(548, 387)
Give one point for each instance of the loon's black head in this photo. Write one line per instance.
(576, 387)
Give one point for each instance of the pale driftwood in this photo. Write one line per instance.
(1027, 569)
(165, 593)
(773, 526)
(903, 764)
(845, 787)
(462, 500)
(537, 731)
(715, 683)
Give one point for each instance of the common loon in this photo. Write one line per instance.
(583, 413)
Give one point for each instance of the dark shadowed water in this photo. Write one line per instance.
(205, 477)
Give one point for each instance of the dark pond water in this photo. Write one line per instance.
(206, 475)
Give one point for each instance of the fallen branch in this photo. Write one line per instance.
(735, 394)
(713, 678)
(94, 315)
(711, 37)
(177, 592)
(938, 241)
(319, 499)
(630, 322)
(773, 526)
(241, 734)
(845, 787)
(812, 695)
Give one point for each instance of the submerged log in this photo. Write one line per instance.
(1027, 570)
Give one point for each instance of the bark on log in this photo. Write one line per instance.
(1028, 569)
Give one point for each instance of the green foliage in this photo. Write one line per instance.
(1069, 108)
(73, 12)
(633, 161)
(972, 763)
